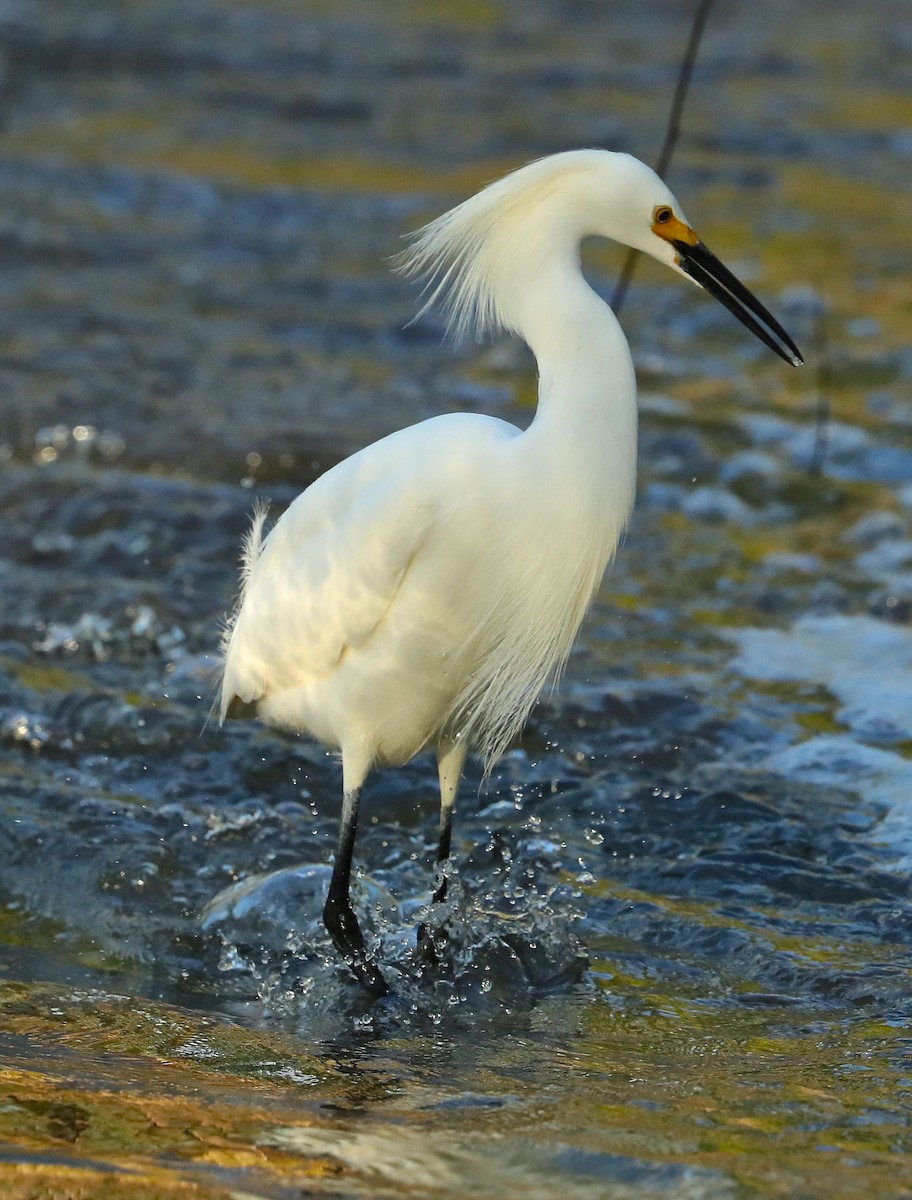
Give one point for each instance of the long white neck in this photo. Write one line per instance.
(509, 258)
(585, 428)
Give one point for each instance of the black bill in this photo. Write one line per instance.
(702, 265)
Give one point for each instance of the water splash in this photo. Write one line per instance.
(492, 947)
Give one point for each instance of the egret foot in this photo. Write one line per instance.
(431, 943)
(338, 914)
(342, 924)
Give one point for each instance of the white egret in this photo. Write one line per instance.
(423, 591)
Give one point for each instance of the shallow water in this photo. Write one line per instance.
(680, 926)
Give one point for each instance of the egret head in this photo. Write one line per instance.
(620, 198)
(637, 209)
(483, 255)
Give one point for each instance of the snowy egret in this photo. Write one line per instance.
(423, 591)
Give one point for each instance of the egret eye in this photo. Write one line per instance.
(661, 215)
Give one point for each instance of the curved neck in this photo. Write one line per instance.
(585, 427)
(581, 444)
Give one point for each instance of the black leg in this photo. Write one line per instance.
(443, 851)
(451, 757)
(338, 914)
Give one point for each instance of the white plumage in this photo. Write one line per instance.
(423, 591)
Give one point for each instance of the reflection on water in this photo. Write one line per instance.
(448, 1162)
(677, 943)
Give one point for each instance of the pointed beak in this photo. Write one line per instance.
(702, 266)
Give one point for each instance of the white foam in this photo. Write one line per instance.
(867, 665)
(864, 662)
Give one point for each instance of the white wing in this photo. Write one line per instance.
(329, 571)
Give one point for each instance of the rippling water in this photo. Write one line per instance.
(678, 962)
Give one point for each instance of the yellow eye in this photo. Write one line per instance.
(662, 214)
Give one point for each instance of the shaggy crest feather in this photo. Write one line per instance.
(464, 255)
(251, 548)
(252, 545)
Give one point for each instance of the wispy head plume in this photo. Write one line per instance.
(468, 257)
